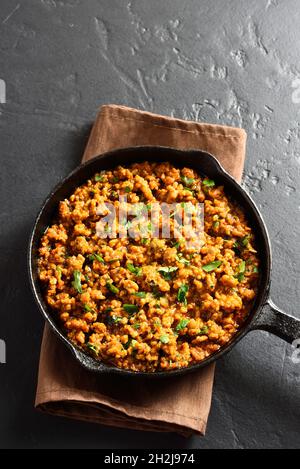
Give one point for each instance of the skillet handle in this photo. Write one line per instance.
(273, 320)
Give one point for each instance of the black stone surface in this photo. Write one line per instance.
(233, 62)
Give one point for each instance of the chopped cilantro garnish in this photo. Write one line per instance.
(182, 324)
(130, 309)
(167, 272)
(134, 270)
(164, 339)
(112, 288)
(182, 293)
(211, 266)
(208, 183)
(140, 294)
(77, 281)
(187, 181)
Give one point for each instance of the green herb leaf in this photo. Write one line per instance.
(189, 189)
(77, 281)
(96, 257)
(113, 320)
(145, 241)
(140, 294)
(136, 325)
(115, 179)
(237, 248)
(164, 339)
(86, 307)
(245, 240)
(167, 272)
(208, 183)
(99, 177)
(108, 310)
(182, 260)
(241, 271)
(128, 343)
(134, 270)
(182, 324)
(130, 309)
(128, 189)
(59, 271)
(242, 267)
(255, 269)
(92, 347)
(112, 288)
(211, 266)
(216, 224)
(156, 292)
(167, 269)
(240, 244)
(187, 181)
(203, 331)
(182, 293)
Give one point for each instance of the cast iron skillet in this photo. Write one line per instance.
(264, 314)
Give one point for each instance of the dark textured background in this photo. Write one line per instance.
(228, 62)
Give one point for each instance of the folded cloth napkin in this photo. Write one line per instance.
(179, 404)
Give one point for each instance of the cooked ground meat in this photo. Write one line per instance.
(149, 303)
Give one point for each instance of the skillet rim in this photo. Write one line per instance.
(105, 368)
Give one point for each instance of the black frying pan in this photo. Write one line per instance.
(264, 314)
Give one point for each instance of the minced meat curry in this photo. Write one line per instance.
(149, 303)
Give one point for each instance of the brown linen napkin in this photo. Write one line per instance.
(180, 404)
